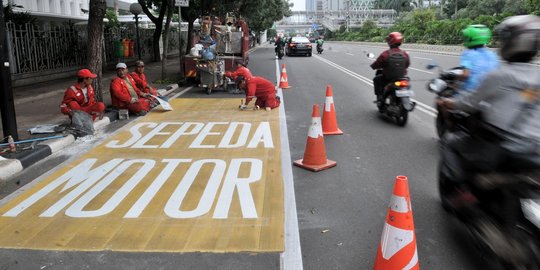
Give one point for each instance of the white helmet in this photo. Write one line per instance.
(121, 65)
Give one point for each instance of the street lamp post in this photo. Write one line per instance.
(136, 9)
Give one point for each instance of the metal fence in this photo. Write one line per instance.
(36, 51)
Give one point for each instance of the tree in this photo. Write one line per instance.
(170, 4)
(95, 42)
(533, 6)
(162, 6)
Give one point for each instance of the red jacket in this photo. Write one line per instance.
(120, 96)
(74, 93)
(241, 71)
(381, 61)
(140, 81)
(259, 87)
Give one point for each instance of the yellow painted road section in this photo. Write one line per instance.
(203, 177)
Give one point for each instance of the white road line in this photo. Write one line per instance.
(429, 72)
(291, 258)
(350, 54)
(181, 92)
(422, 58)
(421, 106)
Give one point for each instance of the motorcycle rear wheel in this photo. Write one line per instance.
(401, 119)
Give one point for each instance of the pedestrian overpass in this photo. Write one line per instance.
(333, 20)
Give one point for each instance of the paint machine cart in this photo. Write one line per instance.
(211, 75)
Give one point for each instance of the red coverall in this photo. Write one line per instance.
(140, 81)
(241, 71)
(74, 100)
(121, 98)
(264, 90)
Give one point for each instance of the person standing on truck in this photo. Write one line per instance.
(260, 88)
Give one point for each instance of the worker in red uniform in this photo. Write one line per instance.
(260, 88)
(140, 80)
(126, 95)
(80, 96)
(241, 70)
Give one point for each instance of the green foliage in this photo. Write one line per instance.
(533, 6)
(18, 18)
(427, 26)
(110, 14)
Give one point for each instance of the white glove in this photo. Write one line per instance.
(242, 107)
(133, 100)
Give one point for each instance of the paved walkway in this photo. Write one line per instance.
(39, 103)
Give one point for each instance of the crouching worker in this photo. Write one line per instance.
(80, 96)
(126, 95)
(260, 88)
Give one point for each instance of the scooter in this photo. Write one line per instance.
(500, 209)
(446, 85)
(501, 213)
(319, 48)
(280, 51)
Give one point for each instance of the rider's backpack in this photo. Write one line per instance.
(396, 65)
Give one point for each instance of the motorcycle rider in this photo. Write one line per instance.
(477, 60)
(319, 43)
(393, 62)
(280, 43)
(507, 136)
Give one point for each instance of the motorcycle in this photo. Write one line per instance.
(446, 85)
(280, 51)
(319, 48)
(501, 213)
(396, 100)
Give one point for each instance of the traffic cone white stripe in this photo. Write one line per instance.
(399, 204)
(328, 102)
(315, 130)
(282, 79)
(413, 262)
(393, 239)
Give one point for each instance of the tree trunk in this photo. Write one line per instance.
(95, 43)
(166, 39)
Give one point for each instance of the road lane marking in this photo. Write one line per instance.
(350, 54)
(423, 107)
(428, 72)
(417, 57)
(291, 258)
(181, 181)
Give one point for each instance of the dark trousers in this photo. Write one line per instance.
(378, 84)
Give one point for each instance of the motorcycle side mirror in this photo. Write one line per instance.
(370, 55)
(431, 66)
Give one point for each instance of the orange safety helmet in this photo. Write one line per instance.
(394, 39)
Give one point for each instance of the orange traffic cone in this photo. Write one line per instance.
(283, 83)
(397, 249)
(315, 152)
(329, 120)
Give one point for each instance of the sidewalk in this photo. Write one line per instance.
(39, 104)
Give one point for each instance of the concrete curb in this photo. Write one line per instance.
(11, 167)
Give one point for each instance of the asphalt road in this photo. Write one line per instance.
(341, 211)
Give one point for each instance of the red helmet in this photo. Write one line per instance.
(394, 38)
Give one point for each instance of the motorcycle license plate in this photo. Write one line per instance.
(404, 93)
(531, 210)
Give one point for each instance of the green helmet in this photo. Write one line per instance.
(476, 35)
